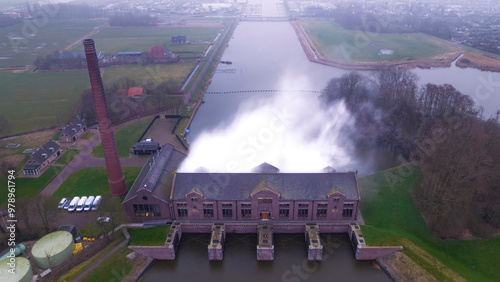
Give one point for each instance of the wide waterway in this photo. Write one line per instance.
(268, 56)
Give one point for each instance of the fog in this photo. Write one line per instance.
(291, 131)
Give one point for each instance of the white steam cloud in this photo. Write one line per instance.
(293, 132)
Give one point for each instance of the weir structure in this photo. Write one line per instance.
(115, 174)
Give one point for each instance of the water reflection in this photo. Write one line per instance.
(240, 261)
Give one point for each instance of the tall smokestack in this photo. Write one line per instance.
(115, 174)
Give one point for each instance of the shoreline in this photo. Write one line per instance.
(479, 61)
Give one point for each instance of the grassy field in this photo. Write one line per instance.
(68, 155)
(74, 272)
(393, 219)
(339, 44)
(125, 138)
(114, 40)
(154, 73)
(115, 268)
(24, 42)
(92, 181)
(155, 236)
(29, 187)
(32, 100)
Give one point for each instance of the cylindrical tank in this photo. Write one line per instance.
(22, 270)
(53, 249)
(19, 249)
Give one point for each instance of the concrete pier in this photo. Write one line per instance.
(215, 249)
(365, 252)
(265, 248)
(314, 247)
(172, 243)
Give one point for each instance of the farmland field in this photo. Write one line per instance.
(35, 105)
(24, 42)
(114, 40)
(155, 73)
(339, 44)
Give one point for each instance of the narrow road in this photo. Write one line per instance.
(100, 261)
(85, 159)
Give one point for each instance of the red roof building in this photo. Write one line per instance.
(135, 92)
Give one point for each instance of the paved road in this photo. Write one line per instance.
(84, 159)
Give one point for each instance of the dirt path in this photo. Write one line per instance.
(72, 45)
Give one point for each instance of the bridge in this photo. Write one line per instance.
(265, 19)
(265, 91)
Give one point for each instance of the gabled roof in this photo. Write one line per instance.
(263, 186)
(135, 91)
(265, 168)
(47, 150)
(143, 145)
(73, 127)
(290, 186)
(158, 173)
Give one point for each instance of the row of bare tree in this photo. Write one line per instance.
(458, 150)
(157, 97)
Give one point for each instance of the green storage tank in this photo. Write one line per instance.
(22, 272)
(53, 249)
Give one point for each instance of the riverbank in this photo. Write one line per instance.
(480, 61)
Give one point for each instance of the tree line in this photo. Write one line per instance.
(458, 150)
(157, 97)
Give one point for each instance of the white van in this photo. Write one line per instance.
(72, 205)
(96, 203)
(81, 203)
(88, 203)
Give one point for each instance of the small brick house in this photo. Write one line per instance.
(42, 158)
(72, 131)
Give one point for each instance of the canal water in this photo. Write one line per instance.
(292, 130)
(240, 261)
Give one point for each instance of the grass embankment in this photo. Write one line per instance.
(155, 236)
(68, 155)
(35, 105)
(28, 187)
(125, 138)
(115, 268)
(392, 218)
(74, 272)
(350, 46)
(205, 81)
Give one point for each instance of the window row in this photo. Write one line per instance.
(147, 210)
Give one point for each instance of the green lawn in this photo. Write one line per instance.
(74, 272)
(392, 218)
(68, 155)
(155, 73)
(115, 268)
(92, 181)
(154, 236)
(337, 43)
(25, 41)
(87, 135)
(125, 138)
(114, 40)
(35, 105)
(29, 187)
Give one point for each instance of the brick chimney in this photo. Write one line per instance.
(115, 174)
